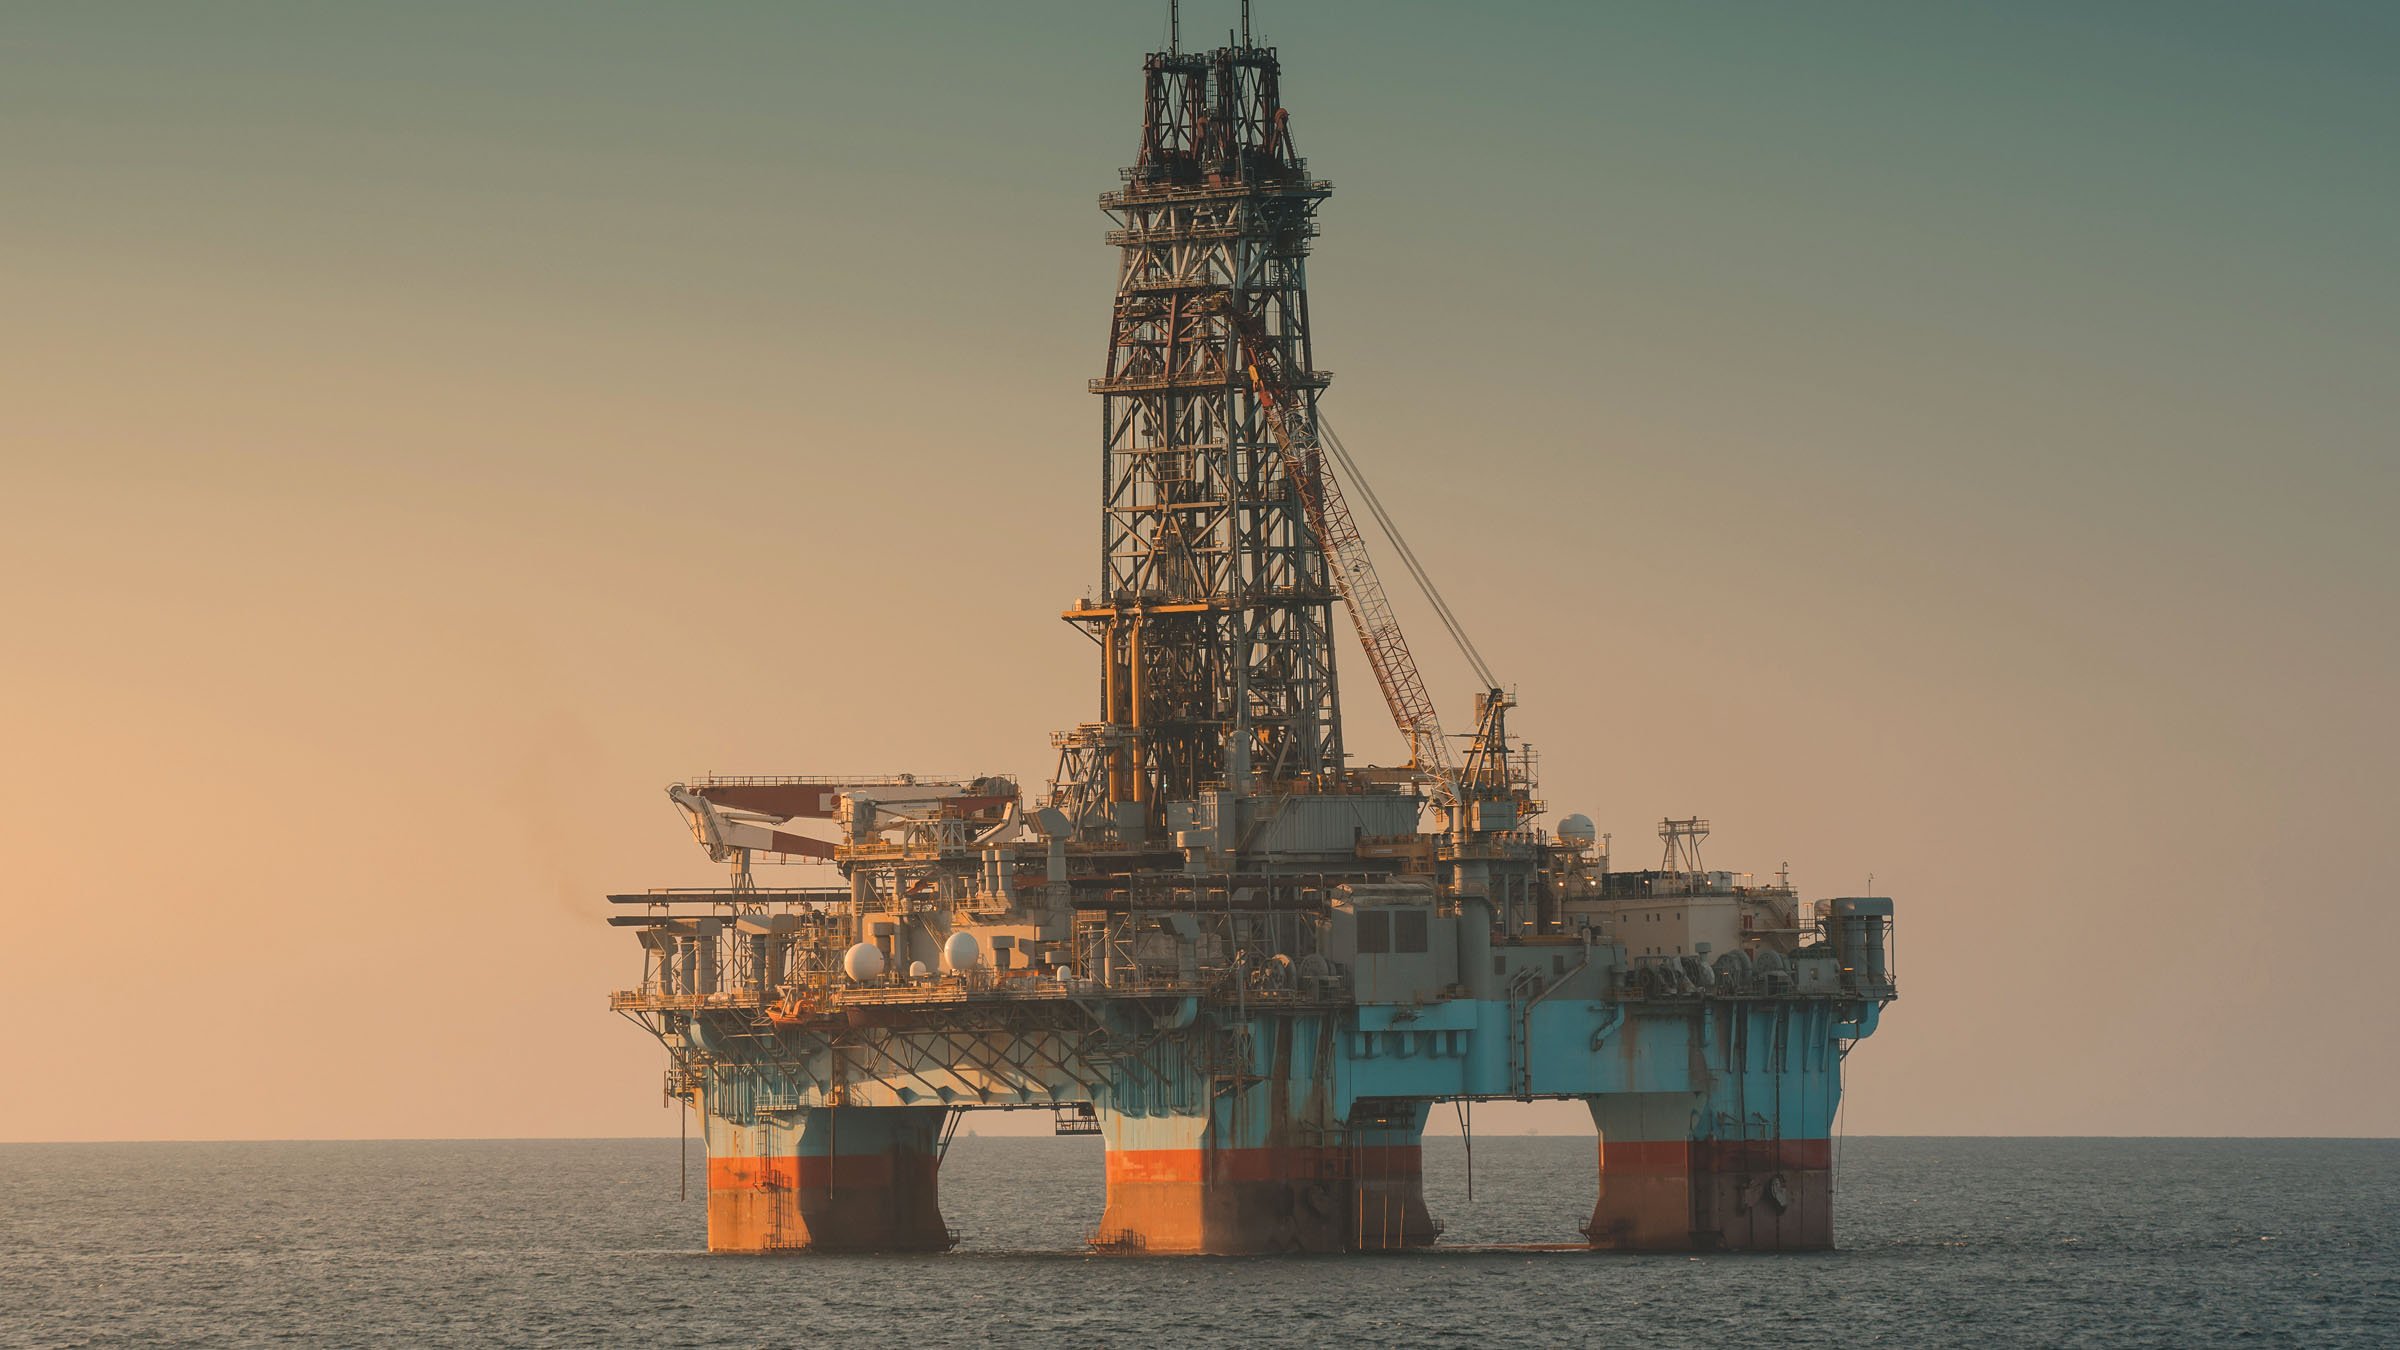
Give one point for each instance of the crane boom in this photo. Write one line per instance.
(1346, 556)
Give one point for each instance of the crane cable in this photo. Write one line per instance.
(1408, 556)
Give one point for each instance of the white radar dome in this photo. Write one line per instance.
(918, 970)
(962, 952)
(1578, 829)
(863, 962)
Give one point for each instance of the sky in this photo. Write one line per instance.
(1948, 445)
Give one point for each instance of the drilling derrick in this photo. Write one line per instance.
(1250, 967)
(1214, 612)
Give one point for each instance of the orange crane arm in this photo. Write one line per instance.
(1346, 557)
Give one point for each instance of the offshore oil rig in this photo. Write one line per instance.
(1250, 965)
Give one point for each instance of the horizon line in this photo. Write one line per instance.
(1504, 1134)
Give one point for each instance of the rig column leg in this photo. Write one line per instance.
(1187, 1184)
(1178, 1185)
(838, 1178)
(1646, 1200)
(1231, 1173)
(1662, 1189)
(1388, 1180)
(1240, 1184)
(1158, 1192)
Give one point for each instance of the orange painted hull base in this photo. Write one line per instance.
(1252, 1201)
(860, 1204)
(1714, 1195)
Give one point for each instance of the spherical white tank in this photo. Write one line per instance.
(1578, 829)
(863, 962)
(962, 952)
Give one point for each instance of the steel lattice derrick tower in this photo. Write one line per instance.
(1214, 612)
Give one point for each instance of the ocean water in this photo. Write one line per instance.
(583, 1243)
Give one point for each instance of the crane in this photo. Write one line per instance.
(1346, 558)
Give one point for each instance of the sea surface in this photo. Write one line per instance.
(584, 1243)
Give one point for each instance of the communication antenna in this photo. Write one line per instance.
(1174, 27)
(1245, 24)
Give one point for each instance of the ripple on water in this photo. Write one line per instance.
(2168, 1242)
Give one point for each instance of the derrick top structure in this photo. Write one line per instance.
(1213, 613)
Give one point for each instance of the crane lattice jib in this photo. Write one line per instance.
(1346, 555)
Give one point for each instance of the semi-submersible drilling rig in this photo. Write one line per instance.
(1248, 964)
